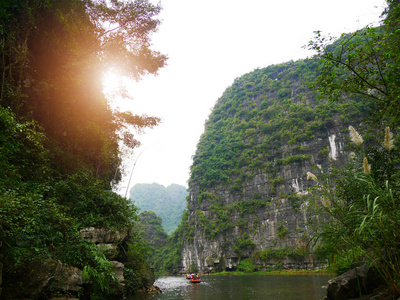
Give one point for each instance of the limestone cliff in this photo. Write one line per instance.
(248, 179)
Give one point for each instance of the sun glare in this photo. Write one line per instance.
(114, 89)
(112, 80)
(120, 91)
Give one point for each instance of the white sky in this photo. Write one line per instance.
(210, 43)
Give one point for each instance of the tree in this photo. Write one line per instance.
(59, 138)
(392, 26)
(363, 63)
(54, 54)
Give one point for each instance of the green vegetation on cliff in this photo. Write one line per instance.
(59, 138)
(260, 114)
(161, 250)
(152, 230)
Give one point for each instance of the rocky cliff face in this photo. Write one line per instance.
(248, 186)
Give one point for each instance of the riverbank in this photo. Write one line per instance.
(279, 272)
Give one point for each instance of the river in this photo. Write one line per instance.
(243, 287)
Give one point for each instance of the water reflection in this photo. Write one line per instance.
(254, 287)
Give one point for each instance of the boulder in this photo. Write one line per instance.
(29, 280)
(51, 278)
(103, 236)
(66, 279)
(119, 270)
(348, 285)
(154, 290)
(110, 251)
(47, 279)
(63, 298)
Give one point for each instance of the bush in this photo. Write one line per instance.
(276, 254)
(361, 209)
(282, 231)
(345, 260)
(246, 266)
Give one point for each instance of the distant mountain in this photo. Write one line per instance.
(167, 202)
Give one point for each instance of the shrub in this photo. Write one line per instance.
(282, 231)
(360, 209)
(246, 265)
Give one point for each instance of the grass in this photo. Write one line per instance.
(280, 272)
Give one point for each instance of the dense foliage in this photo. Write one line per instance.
(363, 206)
(153, 230)
(362, 201)
(167, 202)
(156, 238)
(59, 138)
(259, 114)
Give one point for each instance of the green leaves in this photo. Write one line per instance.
(91, 204)
(363, 212)
(362, 63)
(54, 56)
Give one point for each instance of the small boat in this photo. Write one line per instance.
(195, 281)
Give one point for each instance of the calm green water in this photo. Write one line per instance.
(246, 287)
